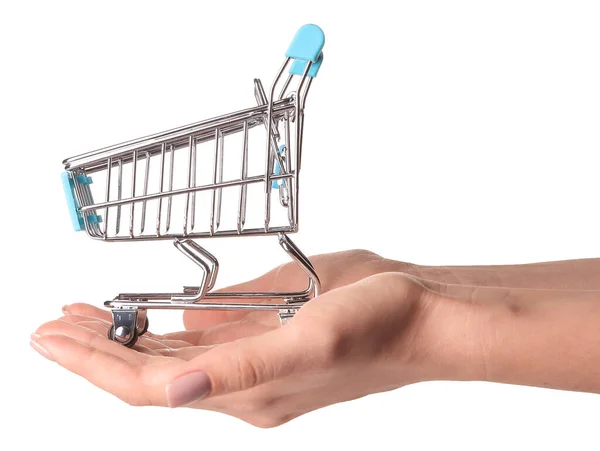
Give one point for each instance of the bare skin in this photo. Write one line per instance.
(379, 325)
(560, 275)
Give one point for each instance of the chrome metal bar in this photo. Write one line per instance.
(268, 155)
(213, 194)
(192, 146)
(146, 174)
(193, 213)
(285, 86)
(107, 196)
(299, 130)
(219, 180)
(289, 164)
(259, 93)
(161, 187)
(241, 216)
(170, 199)
(302, 103)
(150, 305)
(305, 93)
(294, 251)
(132, 205)
(211, 259)
(216, 295)
(261, 99)
(206, 234)
(118, 150)
(119, 196)
(195, 254)
(177, 192)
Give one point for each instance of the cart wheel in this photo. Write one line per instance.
(128, 339)
(145, 329)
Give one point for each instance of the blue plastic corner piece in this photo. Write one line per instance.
(275, 184)
(307, 43)
(69, 188)
(299, 66)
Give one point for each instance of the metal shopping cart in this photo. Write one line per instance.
(175, 185)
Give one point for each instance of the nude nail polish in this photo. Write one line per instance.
(188, 388)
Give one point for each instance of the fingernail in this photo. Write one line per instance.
(41, 350)
(188, 388)
(35, 337)
(65, 309)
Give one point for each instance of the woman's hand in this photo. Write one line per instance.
(369, 331)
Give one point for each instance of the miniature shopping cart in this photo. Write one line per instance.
(232, 175)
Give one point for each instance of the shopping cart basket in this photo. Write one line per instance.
(175, 185)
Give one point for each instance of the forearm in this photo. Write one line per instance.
(568, 275)
(526, 337)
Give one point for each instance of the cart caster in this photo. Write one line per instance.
(125, 329)
(123, 335)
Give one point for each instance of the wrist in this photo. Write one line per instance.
(452, 345)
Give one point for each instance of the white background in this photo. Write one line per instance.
(436, 133)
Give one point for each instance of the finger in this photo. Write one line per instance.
(237, 366)
(91, 338)
(140, 346)
(160, 344)
(77, 319)
(87, 310)
(188, 353)
(131, 381)
(221, 333)
(91, 311)
(102, 327)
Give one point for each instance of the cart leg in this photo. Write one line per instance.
(296, 254)
(302, 260)
(207, 263)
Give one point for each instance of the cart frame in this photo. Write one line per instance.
(283, 119)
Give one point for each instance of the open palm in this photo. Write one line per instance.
(245, 364)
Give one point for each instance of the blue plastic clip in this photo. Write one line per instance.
(84, 180)
(69, 188)
(275, 184)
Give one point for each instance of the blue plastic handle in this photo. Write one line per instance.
(298, 67)
(307, 44)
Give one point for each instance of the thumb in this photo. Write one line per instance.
(237, 366)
